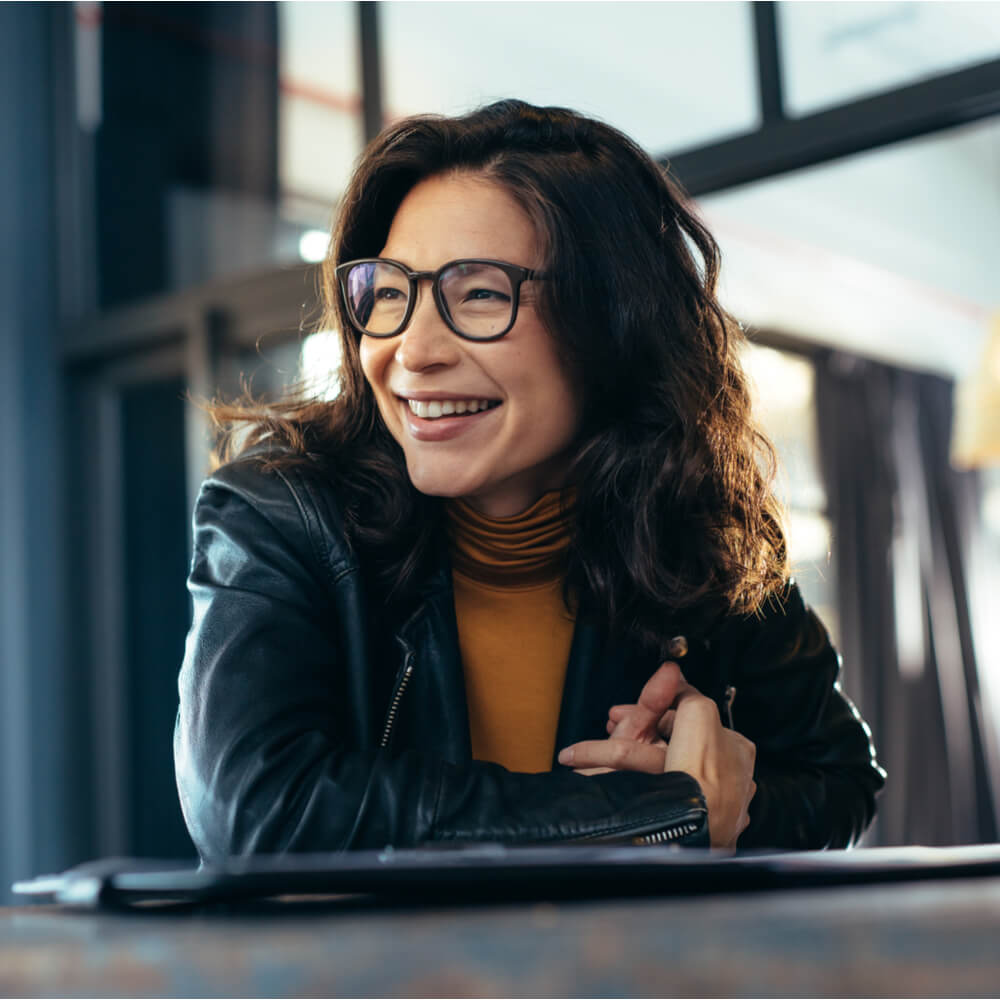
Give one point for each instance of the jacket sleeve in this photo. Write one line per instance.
(266, 752)
(816, 771)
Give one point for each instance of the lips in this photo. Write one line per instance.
(438, 425)
(434, 409)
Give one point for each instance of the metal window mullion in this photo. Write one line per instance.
(769, 83)
(105, 566)
(371, 69)
(779, 146)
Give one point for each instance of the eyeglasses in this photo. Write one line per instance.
(478, 299)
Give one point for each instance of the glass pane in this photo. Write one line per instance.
(320, 105)
(670, 75)
(278, 364)
(266, 370)
(782, 387)
(892, 254)
(832, 53)
(985, 574)
(319, 362)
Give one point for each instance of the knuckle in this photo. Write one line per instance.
(700, 707)
(629, 729)
(706, 709)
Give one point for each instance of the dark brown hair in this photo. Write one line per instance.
(675, 521)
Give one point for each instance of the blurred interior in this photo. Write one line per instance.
(168, 179)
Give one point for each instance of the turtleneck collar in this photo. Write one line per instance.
(526, 550)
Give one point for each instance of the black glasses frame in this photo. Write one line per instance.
(517, 275)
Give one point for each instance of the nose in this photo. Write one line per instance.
(426, 342)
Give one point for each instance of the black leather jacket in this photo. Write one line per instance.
(310, 721)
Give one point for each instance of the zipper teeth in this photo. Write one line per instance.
(668, 835)
(679, 829)
(390, 719)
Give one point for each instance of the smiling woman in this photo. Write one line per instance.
(453, 603)
(517, 446)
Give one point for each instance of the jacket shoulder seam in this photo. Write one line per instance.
(311, 521)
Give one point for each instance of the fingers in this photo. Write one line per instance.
(695, 716)
(669, 709)
(636, 732)
(640, 721)
(721, 760)
(664, 726)
(616, 754)
(666, 723)
(660, 691)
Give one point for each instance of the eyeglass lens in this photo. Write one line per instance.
(479, 297)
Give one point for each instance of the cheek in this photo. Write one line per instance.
(376, 357)
(367, 355)
(555, 397)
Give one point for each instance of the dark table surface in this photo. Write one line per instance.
(905, 939)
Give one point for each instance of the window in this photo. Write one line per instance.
(320, 117)
(832, 53)
(670, 75)
(782, 386)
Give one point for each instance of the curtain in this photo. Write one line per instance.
(903, 523)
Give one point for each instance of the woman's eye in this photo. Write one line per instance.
(388, 294)
(486, 294)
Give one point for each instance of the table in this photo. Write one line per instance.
(903, 939)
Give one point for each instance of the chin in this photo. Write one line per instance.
(439, 490)
(440, 484)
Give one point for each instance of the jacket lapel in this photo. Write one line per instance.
(600, 674)
(436, 710)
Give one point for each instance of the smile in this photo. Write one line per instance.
(435, 408)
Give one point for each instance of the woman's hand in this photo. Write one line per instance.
(669, 708)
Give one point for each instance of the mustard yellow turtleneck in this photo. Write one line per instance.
(514, 630)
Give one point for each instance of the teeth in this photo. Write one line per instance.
(432, 409)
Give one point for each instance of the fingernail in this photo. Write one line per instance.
(566, 756)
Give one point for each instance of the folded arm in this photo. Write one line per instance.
(269, 750)
(814, 773)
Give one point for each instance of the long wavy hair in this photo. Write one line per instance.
(675, 522)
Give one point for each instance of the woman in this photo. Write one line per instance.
(454, 603)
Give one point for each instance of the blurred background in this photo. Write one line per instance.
(168, 176)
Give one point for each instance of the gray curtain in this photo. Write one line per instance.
(903, 523)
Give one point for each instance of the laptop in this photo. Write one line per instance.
(493, 872)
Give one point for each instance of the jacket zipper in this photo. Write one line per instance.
(390, 719)
(666, 836)
(681, 827)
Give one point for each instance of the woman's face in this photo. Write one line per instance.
(503, 458)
